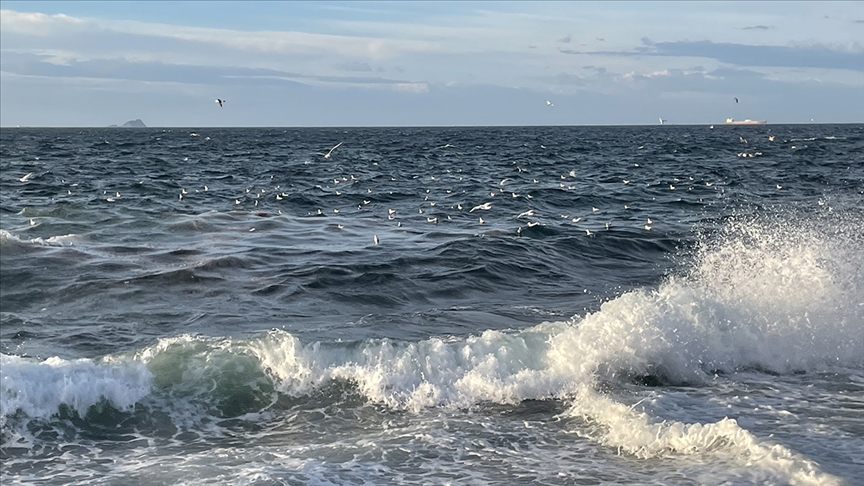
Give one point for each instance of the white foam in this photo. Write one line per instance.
(57, 241)
(627, 430)
(495, 366)
(38, 388)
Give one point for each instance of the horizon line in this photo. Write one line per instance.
(665, 124)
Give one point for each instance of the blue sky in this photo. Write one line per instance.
(406, 63)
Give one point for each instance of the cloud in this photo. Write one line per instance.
(748, 55)
(412, 87)
(34, 23)
(354, 66)
(149, 71)
(813, 56)
(95, 31)
(729, 73)
(565, 40)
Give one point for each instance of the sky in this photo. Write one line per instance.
(436, 63)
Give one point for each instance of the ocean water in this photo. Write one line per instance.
(527, 305)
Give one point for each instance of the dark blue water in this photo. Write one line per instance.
(432, 305)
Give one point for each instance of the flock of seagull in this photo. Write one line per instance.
(526, 215)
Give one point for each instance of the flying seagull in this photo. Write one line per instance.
(549, 103)
(735, 98)
(330, 152)
(220, 101)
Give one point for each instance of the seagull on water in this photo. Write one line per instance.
(26, 177)
(220, 101)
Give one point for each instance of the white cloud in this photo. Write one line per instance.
(412, 87)
(34, 23)
(277, 42)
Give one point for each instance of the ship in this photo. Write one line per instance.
(748, 121)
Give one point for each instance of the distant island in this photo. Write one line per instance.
(136, 123)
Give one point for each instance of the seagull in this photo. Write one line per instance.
(483, 206)
(549, 103)
(26, 177)
(220, 101)
(330, 152)
(735, 98)
(530, 212)
(375, 239)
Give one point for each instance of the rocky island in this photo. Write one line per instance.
(136, 123)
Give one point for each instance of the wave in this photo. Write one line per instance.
(12, 244)
(636, 433)
(766, 295)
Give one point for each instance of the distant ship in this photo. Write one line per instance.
(748, 121)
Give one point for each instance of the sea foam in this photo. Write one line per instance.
(39, 388)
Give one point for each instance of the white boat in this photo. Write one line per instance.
(730, 121)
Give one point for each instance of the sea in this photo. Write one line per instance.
(582, 305)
